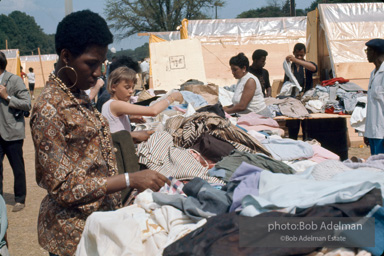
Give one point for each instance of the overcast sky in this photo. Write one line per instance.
(48, 13)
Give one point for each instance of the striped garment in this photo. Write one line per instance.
(185, 132)
(160, 154)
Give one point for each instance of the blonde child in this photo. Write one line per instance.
(116, 110)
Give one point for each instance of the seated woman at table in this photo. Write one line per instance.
(116, 110)
(74, 157)
(248, 95)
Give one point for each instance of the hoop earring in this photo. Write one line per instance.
(71, 68)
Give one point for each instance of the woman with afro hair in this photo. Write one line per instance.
(75, 160)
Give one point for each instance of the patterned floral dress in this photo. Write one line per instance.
(70, 166)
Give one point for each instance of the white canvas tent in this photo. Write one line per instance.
(223, 38)
(337, 34)
(41, 69)
(344, 30)
(13, 60)
(174, 62)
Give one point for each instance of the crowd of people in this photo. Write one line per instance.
(72, 134)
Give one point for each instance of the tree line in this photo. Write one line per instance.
(20, 31)
(127, 18)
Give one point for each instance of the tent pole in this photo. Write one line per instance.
(41, 65)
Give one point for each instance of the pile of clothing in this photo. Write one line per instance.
(223, 170)
(336, 95)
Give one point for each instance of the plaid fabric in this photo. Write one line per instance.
(176, 187)
(185, 132)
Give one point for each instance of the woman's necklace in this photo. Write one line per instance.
(104, 133)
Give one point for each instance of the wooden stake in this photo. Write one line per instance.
(41, 65)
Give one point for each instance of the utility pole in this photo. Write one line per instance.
(215, 11)
(68, 7)
(292, 9)
(217, 4)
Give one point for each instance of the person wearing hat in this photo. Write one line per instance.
(374, 124)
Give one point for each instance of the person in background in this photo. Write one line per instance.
(22, 74)
(104, 69)
(31, 82)
(248, 96)
(144, 66)
(97, 88)
(116, 110)
(14, 100)
(109, 65)
(74, 158)
(259, 58)
(303, 71)
(118, 62)
(374, 122)
(3, 228)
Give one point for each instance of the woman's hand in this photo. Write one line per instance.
(144, 179)
(140, 180)
(177, 96)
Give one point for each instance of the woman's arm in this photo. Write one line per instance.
(119, 108)
(62, 169)
(140, 180)
(246, 97)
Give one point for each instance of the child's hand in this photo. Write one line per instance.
(137, 119)
(177, 96)
(140, 136)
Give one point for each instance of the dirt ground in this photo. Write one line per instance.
(22, 229)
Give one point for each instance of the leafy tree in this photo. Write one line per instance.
(142, 51)
(21, 32)
(139, 53)
(274, 9)
(263, 12)
(286, 8)
(10, 32)
(301, 12)
(128, 17)
(315, 3)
